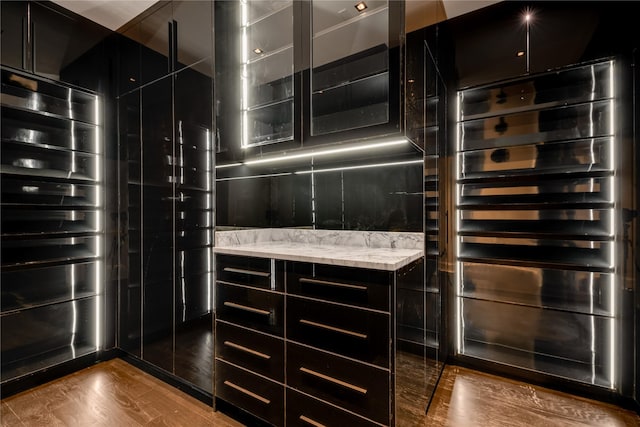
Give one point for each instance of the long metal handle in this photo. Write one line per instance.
(247, 308)
(333, 328)
(250, 272)
(174, 42)
(310, 421)
(333, 380)
(247, 350)
(170, 57)
(335, 284)
(247, 392)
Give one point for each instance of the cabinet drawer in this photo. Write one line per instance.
(256, 272)
(352, 332)
(254, 394)
(251, 350)
(356, 286)
(354, 386)
(305, 411)
(252, 308)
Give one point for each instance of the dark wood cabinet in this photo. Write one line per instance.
(303, 73)
(165, 138)
(326, 336)
(45, 39)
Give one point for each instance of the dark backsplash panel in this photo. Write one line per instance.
(381, 199)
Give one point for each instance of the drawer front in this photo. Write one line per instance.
(251, 350)
(305, 411)
(256, 272)
(252, 308)
(355, 286)
(352, 332)
(354, 386)
(254, 394)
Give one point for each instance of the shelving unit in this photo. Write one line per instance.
(51, 210)
(350, 66)
(536, 224)
(267, 72)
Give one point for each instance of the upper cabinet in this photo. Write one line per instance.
(298, 73)
(44, 39)
(351, 62)
(267, 72)
(166, 38)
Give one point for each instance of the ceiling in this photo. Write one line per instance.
(113, 14)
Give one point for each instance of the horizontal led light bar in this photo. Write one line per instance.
(376, 165)
(228, 165)
(359, 147)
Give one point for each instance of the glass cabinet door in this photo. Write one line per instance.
(350, 65)
(266, 71)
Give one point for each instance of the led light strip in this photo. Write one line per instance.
(458, 266)
(308, 154)
(613, 213)
(99, 207)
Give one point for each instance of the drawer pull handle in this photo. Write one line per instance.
(247, 350)
(247, 392)
(336, 284)
(310, 421)
(333, 380)
(333, 328)
(246, 308)
(249, 272)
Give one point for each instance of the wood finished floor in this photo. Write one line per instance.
(467, 398)
(115, 393)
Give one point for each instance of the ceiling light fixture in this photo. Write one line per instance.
(520, 53)
(360, 7)
(258, 51)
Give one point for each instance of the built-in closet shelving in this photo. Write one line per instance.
(51, 209)
(536, 223)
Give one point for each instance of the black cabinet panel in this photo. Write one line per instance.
(303, 410)
(359, 388)
(13, 49)
(261, 310)
(254, 351)
(356, 333)
(60, 38)
(354, 286)
(256, 395)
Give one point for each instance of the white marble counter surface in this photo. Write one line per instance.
(365, 249)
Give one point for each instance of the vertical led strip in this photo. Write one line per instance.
(209, 155)
(458, 266)
(74, 308)
(612, 230)
(244, 76)
(98, 224)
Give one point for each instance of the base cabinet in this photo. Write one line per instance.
(305, 344)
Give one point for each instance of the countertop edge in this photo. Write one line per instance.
(273, 253)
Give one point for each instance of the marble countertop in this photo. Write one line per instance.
(375, 250)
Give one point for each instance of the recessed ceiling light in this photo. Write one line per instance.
(131, 79)
(361, 6)
(520, 53)
(257, 51)
(411, 80)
